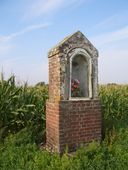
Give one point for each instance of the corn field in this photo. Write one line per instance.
(22, 127)
(21, 106)
(114, 100)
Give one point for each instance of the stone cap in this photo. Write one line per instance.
(77, 38)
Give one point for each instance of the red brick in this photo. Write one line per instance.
(65, 127)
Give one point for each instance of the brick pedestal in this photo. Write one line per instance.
(70, 120)
(71, 123)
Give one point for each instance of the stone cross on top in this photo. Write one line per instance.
(73, 111)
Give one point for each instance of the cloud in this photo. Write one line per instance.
(5, 45)
(106, 38)
(25, 30)
(5, 48)
(41, 7)
(7, 66)
(113, 65)
(112, 46)
(31, 73)
(107, 22)
(47, 7)
(116, 20)
(39, 73)
(113, 55)
(28, 29)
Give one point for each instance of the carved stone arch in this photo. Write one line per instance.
(82, 75)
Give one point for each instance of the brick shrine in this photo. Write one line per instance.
(73, 111)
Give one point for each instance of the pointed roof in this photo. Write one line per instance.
(74, 40)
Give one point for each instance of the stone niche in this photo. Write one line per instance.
(73, 111)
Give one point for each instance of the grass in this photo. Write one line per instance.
(20, 107)
(19, 153)
(22, 128)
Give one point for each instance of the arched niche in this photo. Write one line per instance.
(80, 75)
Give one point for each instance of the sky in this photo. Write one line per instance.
(30, 28)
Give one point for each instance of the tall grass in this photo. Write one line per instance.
(22, 123)
(20, 107)
(18, 153)
(23, 106)
(114, 100)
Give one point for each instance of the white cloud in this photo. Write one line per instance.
(25, 30)
(28, 29)
(47, 7)
(7, 65)
(107, 22)
(113, 51)
(31, 73)
(39, 73)
(41, 7)
(110, 37)
(6, 46)
(113, 21)
(113, 55)
(113, 65)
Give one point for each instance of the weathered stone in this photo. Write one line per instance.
(73, 116)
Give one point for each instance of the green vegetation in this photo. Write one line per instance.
(114, 100)
(22, 129)
(20, 107)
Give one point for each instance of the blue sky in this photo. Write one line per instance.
(29, 28)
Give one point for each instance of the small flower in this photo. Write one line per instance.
(75, 88)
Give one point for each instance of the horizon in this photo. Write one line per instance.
(29, 29)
